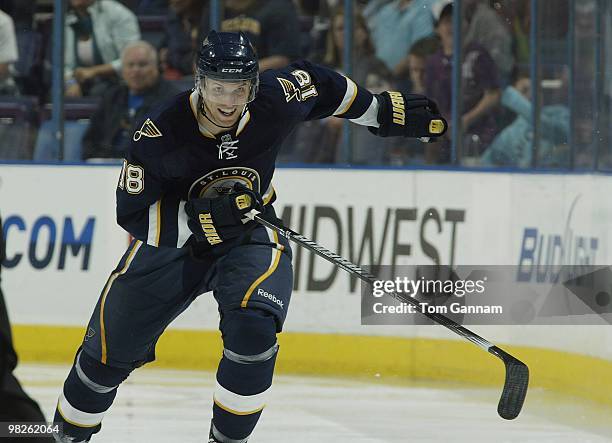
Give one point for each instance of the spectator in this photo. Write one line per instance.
(584, 120)
(513, 145)
(516, 14)
(369, 8)
(412, 67)
(186, 24)
(96, 32)
(28, 70)
(23, 15)
(487, 28)
(480, 86)
(314, 17)
(369, 71)
(397, 26)
(271, 25)
(312, 8)
(8, 55)
(111, 126)
(413, 79)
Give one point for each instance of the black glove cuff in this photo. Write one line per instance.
(383, 111)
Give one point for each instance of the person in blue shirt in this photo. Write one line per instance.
(110, 129)
(513, 145)
(410, 20)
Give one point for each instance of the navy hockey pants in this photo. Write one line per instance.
(149, 288)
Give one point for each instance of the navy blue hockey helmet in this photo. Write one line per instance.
(227, 57)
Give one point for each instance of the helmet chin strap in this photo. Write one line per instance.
(202, 109)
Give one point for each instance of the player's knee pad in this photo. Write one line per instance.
(91, 380)
(94, 373)
(249, 335)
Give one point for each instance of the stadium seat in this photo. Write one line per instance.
(77, 113)
(17, 127)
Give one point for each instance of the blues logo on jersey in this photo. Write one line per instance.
(220, 181)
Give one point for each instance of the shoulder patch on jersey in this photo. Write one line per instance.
(148, 129)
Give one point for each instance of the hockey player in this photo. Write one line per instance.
(194, 170)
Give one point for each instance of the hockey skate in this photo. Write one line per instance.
(66, 439)
(213, 439)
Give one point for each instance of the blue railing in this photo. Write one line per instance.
(600, 126)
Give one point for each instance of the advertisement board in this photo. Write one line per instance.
(62, 241)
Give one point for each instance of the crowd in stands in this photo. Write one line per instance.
(122, 57)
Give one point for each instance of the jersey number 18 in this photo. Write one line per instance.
(131, 178)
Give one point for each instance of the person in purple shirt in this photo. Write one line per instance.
(480, 87)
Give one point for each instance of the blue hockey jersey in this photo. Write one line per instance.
(172, 158)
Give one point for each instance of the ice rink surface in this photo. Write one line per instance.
(156, 406)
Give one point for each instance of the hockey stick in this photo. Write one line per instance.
(517, 373)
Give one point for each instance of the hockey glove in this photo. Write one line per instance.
(408, 115)
(215, 220)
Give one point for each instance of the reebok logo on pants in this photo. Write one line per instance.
(271, 297)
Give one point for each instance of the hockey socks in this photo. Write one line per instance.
(245, 374)
(240, 397)
(88, 392)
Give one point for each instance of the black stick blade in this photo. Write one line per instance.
(515, 386)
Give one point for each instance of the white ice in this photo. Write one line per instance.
(156, 406)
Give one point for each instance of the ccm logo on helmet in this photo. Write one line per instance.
(229, 70)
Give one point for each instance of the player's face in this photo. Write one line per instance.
(225, 100)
